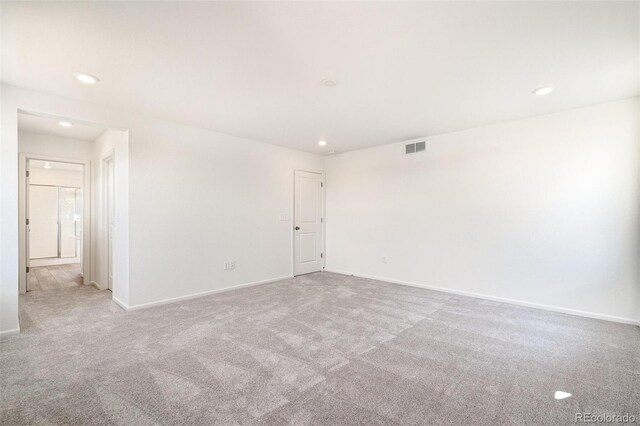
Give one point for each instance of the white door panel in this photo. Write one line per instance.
(43, 221)
(68, 243)
(308, 238)
(309, 191)
(308, 244)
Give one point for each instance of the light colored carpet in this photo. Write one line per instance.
(54, 277)
(318, 349)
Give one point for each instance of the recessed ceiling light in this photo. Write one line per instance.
(322, 143)
(47, 165)
(327, 82)
(85, 78)
(541, 91)
(65, 124)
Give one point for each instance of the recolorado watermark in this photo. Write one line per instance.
(605, 418)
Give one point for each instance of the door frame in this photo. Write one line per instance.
(104, 160)
(22, 214)
(293, 217)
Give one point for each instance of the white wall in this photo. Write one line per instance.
(57, 177)
(199, 198)
(543, 210)
(8, 323)
(196, 198)
(8, 219)
(55, 146)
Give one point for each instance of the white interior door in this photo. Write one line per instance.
(43, 221)
(308, 233)
(109, 209)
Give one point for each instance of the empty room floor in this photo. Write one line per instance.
(54, 277)
(317, 349)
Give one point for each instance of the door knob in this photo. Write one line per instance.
(297, 228)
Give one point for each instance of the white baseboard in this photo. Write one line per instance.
(96, 285)
(498, 299)
(120, 303)
(8, 333)
(196, 295)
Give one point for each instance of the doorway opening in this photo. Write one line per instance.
(54, 224)
(73, 205)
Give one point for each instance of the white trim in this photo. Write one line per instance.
(55, 117)
(96, 285)
(120, 303)
(197, 295)
(8, 333)
(534, 305)
(105, 231)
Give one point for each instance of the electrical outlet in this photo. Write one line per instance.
(232, 264)
(229, 264)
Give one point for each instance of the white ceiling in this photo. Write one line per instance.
(50, 126)
(252, 69)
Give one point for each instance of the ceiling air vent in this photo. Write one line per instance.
(412, 148)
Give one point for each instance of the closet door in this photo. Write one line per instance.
(43, 221)
(68, 222)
